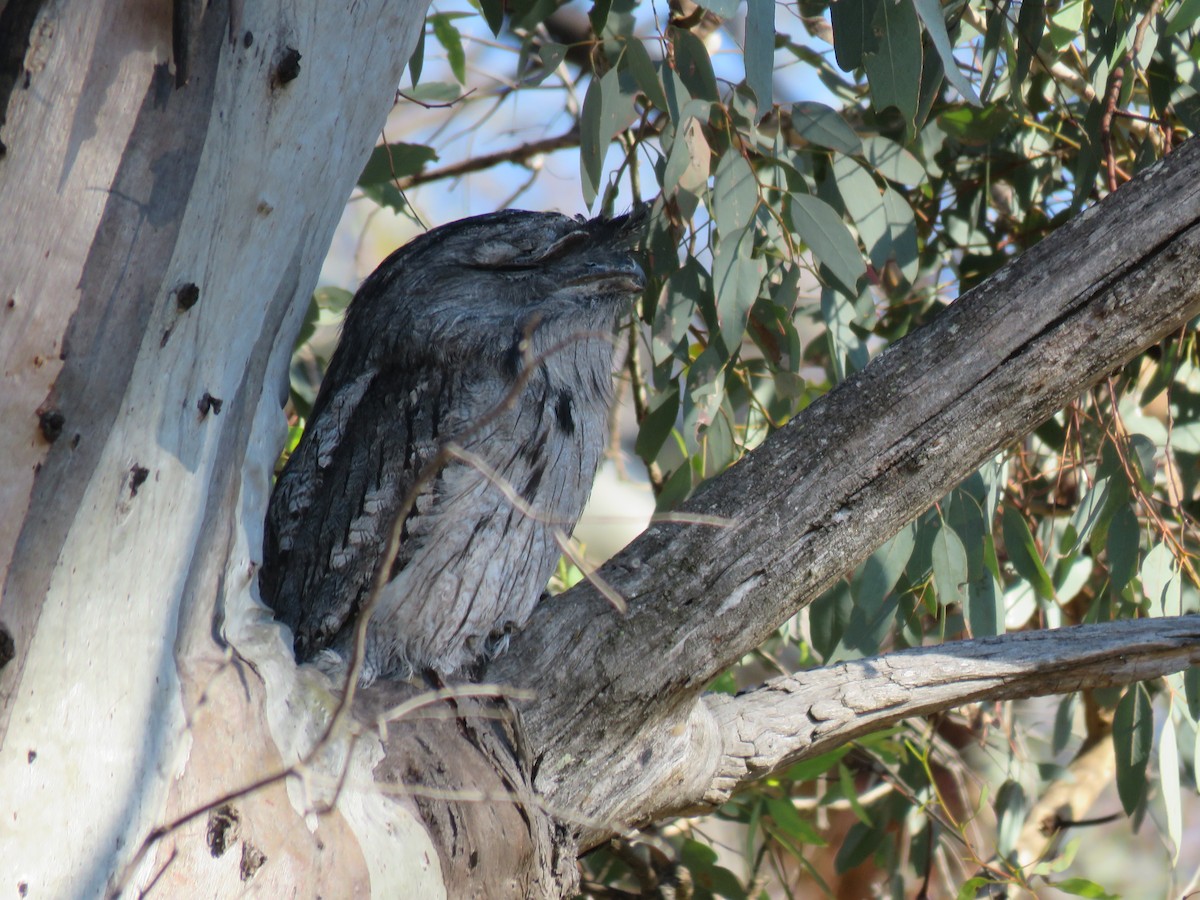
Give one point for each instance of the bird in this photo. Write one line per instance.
(484, 350)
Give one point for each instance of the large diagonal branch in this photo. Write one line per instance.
(618, 695)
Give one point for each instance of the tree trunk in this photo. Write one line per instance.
(170, 184)
(166, 220)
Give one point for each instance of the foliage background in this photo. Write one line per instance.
(824, 178)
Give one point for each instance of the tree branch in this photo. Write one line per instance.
(822, 493)
(804, 715)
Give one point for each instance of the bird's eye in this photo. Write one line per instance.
(565, 244)
(499, 256)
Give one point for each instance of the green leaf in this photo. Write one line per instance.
(808, 769)
(985, 605)
(853, 32)
(882, 570)
(822, 229)
(1066, 25)
(417, 61)
(1160, 580)
(1181, 16)
(821, 125)
(391, 161)
(550, 57)
(641, 68)
(828, 616)
(930, 12)
(1064, 723)
(1133, 735)
(894, 69)
(493, 14)
(607, 110)
(1122, 547)
(735, 193)
(736, 279)
(599, 15)
(759, 55)
(860, 842)
(949, 567)
(657, 426)
(973, 887)
(794, 825)
(892, 161)
(1030, 24)
(1023, 554)
(1169, 787)
(1011, 806)
(850, 793)
(1081, 887)
(975, 127)
(434, 92)
(686, 173)
(592, 146)
(1095, 511)
(451, 41)
(1191, 690)
(693, 65)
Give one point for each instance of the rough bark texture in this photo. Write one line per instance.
(619, 730)
(165, 226)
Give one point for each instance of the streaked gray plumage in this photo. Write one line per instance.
(433, 342)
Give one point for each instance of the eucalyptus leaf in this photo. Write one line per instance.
(1022, 553)
(822, 229)
(894, 68)
(1132, 736)
(821, 125)
(930, 13)
(760, 53)
(1169, 785)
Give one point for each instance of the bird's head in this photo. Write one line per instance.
(465, 288)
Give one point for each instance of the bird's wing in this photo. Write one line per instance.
(334, 505)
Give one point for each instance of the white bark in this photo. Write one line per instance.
(122, 540)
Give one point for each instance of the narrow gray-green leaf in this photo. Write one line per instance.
(930, 12)
(892, 161)
(1122, 547)
(1133, 736)
(822, 229)
(1023, 554)
(736, 279)
(388, 162)
(1168, 778)
(693, 65)
(759, 54)
(642, 69)
(853, 31)
(949, 567)
(894, 69)
(1160, 580)
(591, 148)
(985, 605)
(882, 570)
(1011, 806)
(686, 173)
(735, 193)
(607, 109)
(451, 41)
(1191, 692)
(822, 125)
